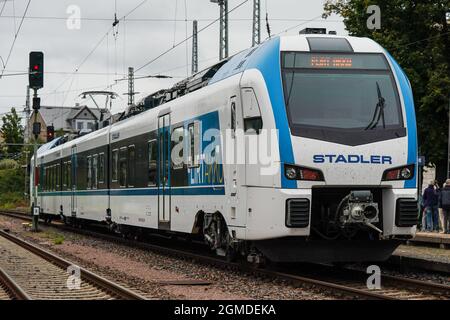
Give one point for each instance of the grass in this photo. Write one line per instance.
(12, 200)
(55, 237)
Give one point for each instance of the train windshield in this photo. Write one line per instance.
(334, 94)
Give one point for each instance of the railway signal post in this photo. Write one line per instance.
(36, 81)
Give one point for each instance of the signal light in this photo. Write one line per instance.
(400, 173)
(50, 133)
(36, 70)
(36, 103)
(301, 173)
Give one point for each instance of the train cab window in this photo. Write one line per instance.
(194, 144)
(123, 167)
(131, 166)
(101, 168)
(152, 159)
(251, 111)
(178, 148)
(115, 165)
(89, 172)
(94, 172)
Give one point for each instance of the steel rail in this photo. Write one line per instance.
(98, 281)
(12, 288)
(294, 279)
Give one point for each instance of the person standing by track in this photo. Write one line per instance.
(430, 202)
(444, 205)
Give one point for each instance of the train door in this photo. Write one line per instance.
(73, 195)
(164, 188)
(232, 181)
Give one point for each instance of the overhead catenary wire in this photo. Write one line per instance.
(175, 24)
(156, 19)
(3, 7)
(14, 13)
(15, 38)
(298, 25)
(186, 35)
(98, 44)
(187, 38)
(267, 21)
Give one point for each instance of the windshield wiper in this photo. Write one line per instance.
(288, 100)
(379, 111)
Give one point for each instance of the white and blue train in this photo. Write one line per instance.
(341, 183)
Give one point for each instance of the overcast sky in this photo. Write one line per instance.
(146, 33)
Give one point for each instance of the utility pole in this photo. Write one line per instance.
(27, 116)
(36, 82)
(25, 194)
(36, 131)
(194, 47)
(256, 36)
(223, 41)
(131, 92)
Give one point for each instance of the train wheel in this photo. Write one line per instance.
(216, 234)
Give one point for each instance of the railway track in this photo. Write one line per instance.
(9, 289)
(39, 274)
(347, 282)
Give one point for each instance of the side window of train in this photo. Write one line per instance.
(251, 112)
(194, 144)
(233, 117)
(123, 167)
(152, 160)
(69, 175)
(44, 178)
(131, 176)
(54, 177)
(64, 175)
(47, 178)
(95, 172)
(101, 168)
(52, 180)
(89, 172)
(178, 142)
(115, 165)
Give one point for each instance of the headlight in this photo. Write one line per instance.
(406, 173)
(400, 173)
(291, 173)
(301, 173)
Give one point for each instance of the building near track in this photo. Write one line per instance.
(67, 120)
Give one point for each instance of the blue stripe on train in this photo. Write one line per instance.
(266, 59)
(406, 90)
(188, 191)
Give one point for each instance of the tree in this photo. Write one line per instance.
(12, 132)
(417, 35)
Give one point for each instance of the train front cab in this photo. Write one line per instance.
(348, 157)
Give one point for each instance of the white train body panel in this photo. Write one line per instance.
(252, 202)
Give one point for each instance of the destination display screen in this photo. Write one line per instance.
(331, 62)
(334, 61)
